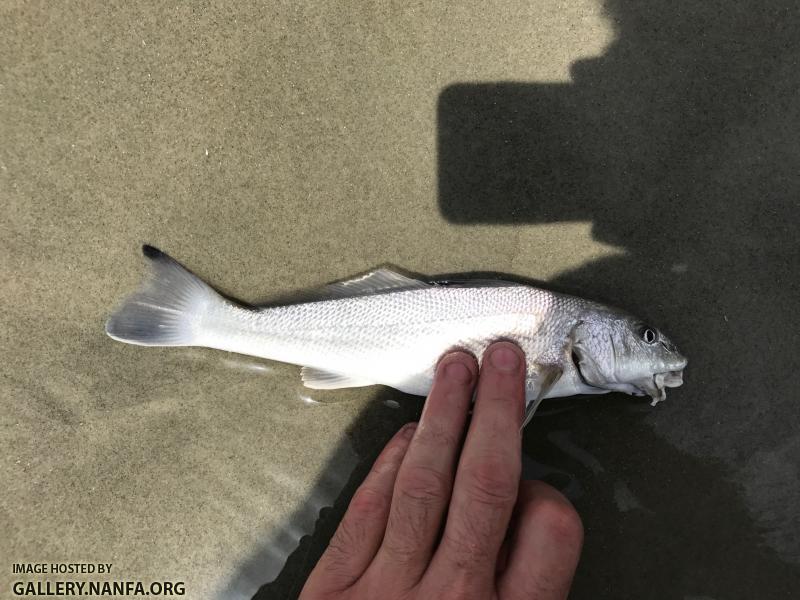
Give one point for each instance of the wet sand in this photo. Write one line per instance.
(644, 157)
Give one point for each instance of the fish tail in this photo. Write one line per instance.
(168, 308)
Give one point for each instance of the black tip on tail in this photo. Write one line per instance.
(165, 309)
(152, 252)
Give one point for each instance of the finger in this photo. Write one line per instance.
(424, 482)
(545, 545)
(487, 478)
(358, 537)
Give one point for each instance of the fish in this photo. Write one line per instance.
(386, 328)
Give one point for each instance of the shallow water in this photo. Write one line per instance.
(642, 156)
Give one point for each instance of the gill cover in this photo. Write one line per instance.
(593, 353)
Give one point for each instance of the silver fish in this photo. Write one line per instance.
(386, 328)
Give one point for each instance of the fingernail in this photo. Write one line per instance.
(504, 359)
(408, 431)
(458, 372)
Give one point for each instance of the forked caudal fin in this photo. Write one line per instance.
(168, 307)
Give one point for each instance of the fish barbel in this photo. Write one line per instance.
(390, 329)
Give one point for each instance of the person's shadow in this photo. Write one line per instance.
(681, 145)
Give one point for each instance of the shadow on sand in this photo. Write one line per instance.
(680, 145)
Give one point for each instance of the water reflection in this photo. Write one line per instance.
(284, 558)
(270, 559)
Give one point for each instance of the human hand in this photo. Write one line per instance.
(435, 520)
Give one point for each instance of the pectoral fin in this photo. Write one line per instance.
(547, 375)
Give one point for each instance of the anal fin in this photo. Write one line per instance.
(318, 379)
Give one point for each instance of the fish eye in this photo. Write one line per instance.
(649, 335)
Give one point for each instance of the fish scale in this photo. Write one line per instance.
(396, 339)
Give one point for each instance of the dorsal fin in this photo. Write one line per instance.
(477, 283)
(376, 281)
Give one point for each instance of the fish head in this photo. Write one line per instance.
(619, 352)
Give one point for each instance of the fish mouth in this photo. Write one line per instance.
(655, 387)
